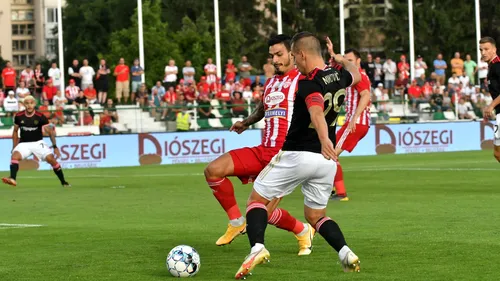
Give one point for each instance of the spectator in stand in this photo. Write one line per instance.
(39, 80)
(88, 120)
(90, 94)
(188, 72)
(447, 105)
(224, 97)
(44, 109)
(436, 102)
(239, 105)
(378, 92)
(469, 91)
(420, 68)
(454, 80)
(470, 68)
(143, 95)
(154, 101)
(379, 73)
(60, 99)
(440, 67)
(81, 100)
(74, 73)
(160, 89)
(137, 72)
(257, 94)
(204, 107)
(58, 113)
(369, 67)
(28, 77)
(122, 73)
(384, 107)
(171, 71)
(110, 107)
(269, 68)
(257, 82)
(231, 70)
(105, 123)
(404, 67)
(247, 93)
(102, 81)
(482, 72)
(415, 95)
(183, 120)
(55, 75)
(9, 75)
(72, 91)
(190, 94)
(49, 91)
(10, 103)
(203, 91)
(457, 65)
(2, 97)
(244, 68)
(389, 69)
(464, 79)
(210, 72)
(400, 86)
(179, 105)
(463, 110)
(87, 74)
(427, 90)
(168, 102)
(22, 92)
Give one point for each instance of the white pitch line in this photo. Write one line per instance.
(15, 225)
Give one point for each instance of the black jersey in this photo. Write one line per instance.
(331, 84)
(31, 126)
(494, 80)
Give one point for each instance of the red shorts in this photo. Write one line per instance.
(249, 161)
(348, 140)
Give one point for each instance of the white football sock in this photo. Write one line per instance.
(343, 252)
(257, 247)
(237, 222)
(305, 230)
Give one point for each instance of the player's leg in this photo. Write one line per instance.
(316, 191)
(216, 174)
(496, 142)
(339, 192)
(21, 151)
(43, 152)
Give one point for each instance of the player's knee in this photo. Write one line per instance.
(16, 156)
(216, 169)
(496, 154)
(312, 217)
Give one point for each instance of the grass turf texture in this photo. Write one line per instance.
(411, 217)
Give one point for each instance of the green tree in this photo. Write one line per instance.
(158, 42)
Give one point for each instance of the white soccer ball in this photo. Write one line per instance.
(183, 261)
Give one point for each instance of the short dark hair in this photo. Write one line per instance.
(354, 51)
(312, 43)
(488, 40)
(280, 39)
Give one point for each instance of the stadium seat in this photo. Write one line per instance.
(215, 123)
(394, 120)
(7, 121)
(2, 113)
(216, 113)
(97, 108)
(226, 122)
(215, 103)
(225, 112)
(373, 109)
(424, 107)
(449, 115)
(203, 124)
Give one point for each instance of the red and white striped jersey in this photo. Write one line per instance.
(211, 78)
(278, 98)
(353, 97)
(72, 92)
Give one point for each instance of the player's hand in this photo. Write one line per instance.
(329, 46)
(57, 152)
(351, 128)
(238, 127)
(487, 113)
(327, 150)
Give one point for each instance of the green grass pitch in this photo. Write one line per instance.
(411, 217)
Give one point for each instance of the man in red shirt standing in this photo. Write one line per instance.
(49, 91)
(122, 73)
(230, 70)
(9, 78)
(414, 93)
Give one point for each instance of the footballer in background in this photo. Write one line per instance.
(357, 124)
(33, 124)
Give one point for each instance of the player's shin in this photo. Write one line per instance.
(224, 193)
(59, 172)
(283, 220)
(14, 167)
(330, 230)
(339, 182)
(256, 224)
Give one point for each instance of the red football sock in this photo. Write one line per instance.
(224, 192)
(339, 181)
(283, 220)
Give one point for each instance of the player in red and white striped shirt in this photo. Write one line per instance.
(246, 163)
(357, 124)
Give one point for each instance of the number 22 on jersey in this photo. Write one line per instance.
(333, 102)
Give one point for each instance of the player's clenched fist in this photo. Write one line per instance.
(238, 127)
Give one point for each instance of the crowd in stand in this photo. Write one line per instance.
(179, 89)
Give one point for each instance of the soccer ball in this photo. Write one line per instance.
(183, 261)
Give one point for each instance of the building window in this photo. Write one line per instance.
(51, 46)
(22, 15)
(15, 29)
(30, 29)
(23, 45)
(22, 2)
(51, 15)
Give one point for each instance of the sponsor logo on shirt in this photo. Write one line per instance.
(274, 98)
(275, 112)
(29, 129)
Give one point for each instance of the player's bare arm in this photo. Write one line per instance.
(257, 115)
(52, 135)
(349, 66)
(15, 136)
(319, 122)
(363, 103)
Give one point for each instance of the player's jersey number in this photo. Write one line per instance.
(333, 103)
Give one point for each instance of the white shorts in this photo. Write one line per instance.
(289, 169)
(496, 142)
(39, 148)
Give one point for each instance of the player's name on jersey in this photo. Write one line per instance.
(330, 78)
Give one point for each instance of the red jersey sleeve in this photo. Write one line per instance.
(364, 84)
